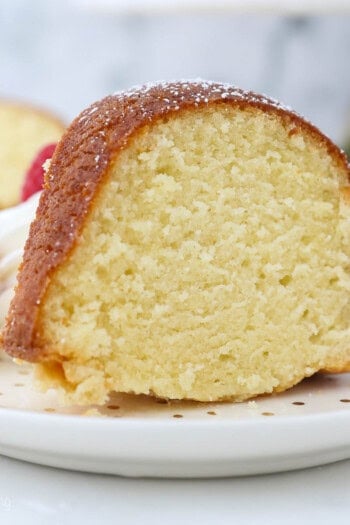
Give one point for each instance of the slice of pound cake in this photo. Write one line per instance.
(23, 130)
(192, 242)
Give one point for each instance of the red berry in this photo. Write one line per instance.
(34, 178)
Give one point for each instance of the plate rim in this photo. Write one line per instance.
(173, 448)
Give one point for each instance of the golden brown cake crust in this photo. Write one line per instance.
(80, 163)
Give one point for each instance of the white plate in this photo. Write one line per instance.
(138, 436)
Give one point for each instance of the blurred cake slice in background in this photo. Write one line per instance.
(23, 131)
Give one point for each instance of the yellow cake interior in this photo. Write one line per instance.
(23, 131)
(213, 265)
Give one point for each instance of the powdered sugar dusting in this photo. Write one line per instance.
(159, 98)
(199, 91)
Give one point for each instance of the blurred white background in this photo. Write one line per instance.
(66, 54)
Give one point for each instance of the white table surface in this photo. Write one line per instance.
(289, 6)
(31, 494)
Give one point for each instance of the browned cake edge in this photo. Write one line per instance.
(80, 164)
